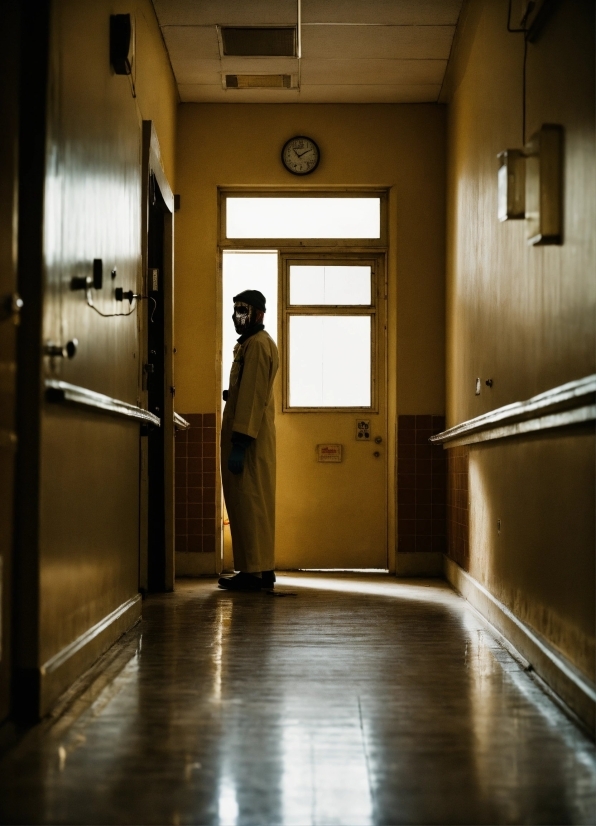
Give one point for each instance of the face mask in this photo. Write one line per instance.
(243, 317)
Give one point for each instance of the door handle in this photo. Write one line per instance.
(10, 307)
(58, 351)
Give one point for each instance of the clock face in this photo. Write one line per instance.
(300, 155)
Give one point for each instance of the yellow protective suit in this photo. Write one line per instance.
(250, 495)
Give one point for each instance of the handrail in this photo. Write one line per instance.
(180, 423)
(570, 403)
(60, 392)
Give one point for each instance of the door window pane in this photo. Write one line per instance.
(330, 284)
(303, 217)
(330, 361)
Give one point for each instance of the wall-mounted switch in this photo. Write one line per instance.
(478, 386)
(97, 273)
(544, 196)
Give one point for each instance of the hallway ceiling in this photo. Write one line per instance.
(353, 51)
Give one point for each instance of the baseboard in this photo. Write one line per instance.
(194, 564)
(61, 670)
(419, 564)
(562, 677)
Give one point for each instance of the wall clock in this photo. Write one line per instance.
(300, 155)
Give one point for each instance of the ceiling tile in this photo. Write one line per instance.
(190, 70)
(377, 41)
(359, 51)
(225, 12)
(370, 94)
(428, 93)
(191, 42)
(195, 93)
(371, 72)
(397, 12)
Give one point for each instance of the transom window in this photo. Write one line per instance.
(303, 217)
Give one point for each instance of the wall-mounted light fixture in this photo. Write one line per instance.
(530, 185)
(121, 43)
(544, 196)
(511, 185)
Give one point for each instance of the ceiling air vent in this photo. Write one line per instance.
(258, 41)
(258, 81)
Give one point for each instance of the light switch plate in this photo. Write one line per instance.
(363, 430)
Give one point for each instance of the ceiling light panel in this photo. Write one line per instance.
(256, 41)
(258, 81)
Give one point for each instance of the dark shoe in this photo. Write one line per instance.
(268, 579)
(241, 582)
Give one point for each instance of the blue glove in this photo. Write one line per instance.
(236, 459)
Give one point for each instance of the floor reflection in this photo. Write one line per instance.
(361, 700)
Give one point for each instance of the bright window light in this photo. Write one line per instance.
(247, 271)
(330, 361)
(303, 217)
(336, 285)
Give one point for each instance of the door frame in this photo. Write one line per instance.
(370, 247)
(9, 317)
(151, 165)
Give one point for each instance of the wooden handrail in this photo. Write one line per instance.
(180, 423)
(60, 392)
(571, 403)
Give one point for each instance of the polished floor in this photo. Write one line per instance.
(349, 700)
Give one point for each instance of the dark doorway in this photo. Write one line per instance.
(156, 389)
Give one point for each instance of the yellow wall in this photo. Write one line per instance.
(81, 559)
(524, 316)
(398, 147)
(401, 147)
(157, 93)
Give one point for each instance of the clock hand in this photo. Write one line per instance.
(303, 153)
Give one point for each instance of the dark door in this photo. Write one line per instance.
(156, 390)
(9, 310)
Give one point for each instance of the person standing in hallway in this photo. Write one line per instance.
(248, 447)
